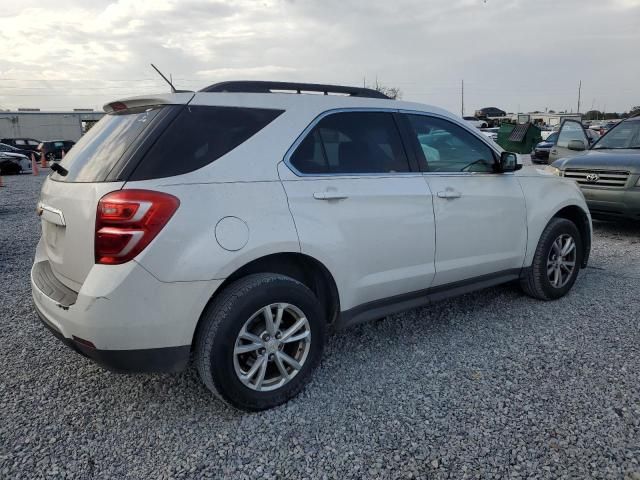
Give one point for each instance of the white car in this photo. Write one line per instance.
(476, 122)
(238, 223)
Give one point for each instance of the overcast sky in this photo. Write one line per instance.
(514, 54)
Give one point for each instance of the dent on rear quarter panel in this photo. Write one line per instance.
(546, 196)
(187, 249)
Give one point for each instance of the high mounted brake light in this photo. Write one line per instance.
(127, 221)
(118, 106)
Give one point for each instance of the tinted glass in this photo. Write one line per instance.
(552, 138)
(20, 142)
(570, 131)
(198, 136)
(96, 153)
(352, 142)
(449, 148)
(33, 143)
(624, 135)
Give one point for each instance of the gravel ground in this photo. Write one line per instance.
(489, 385)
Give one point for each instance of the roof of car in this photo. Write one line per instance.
(314, 103)
(282, 95)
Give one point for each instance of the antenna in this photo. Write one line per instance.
(579, 92)
(173, 89)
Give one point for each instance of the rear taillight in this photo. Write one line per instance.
(127, 221)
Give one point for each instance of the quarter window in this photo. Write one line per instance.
(352, 142)
(446, 147)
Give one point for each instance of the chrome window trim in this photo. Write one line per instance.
(317, 119)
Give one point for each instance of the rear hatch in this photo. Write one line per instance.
(95, 166)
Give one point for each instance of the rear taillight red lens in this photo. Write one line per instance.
(127, 221)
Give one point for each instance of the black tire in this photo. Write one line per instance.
(535, 282)
(222, 321)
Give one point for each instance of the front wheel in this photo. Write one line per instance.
(260, 341)
(556, 261)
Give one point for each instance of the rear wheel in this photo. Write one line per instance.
(556, 261)
(260, 341)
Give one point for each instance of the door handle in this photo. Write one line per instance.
(449, 194)
(329, 196)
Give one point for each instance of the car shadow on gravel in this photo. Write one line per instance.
(617, 228)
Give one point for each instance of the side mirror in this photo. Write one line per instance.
(577, 145)
(509, 162)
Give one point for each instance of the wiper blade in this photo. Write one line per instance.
(56, 167)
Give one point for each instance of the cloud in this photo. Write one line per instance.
(511, 53)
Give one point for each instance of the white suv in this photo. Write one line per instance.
(238, 223)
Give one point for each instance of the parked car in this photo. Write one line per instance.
(246, 222)
(491, 133)
(605, 127)
(53, 149)
(30, 144)
(9, 166)
(541, 151)
(608, 172)
(490, 112)
(476, 122)
(21, 160)
(11, 149)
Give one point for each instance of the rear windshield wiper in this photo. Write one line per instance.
(56, 167)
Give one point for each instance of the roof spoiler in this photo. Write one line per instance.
(180, 98)
(251, 86)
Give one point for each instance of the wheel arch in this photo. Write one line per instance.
(304, 268)
(582, 221)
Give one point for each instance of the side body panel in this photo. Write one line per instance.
(481, 231)
(546, 195)
(378, 241)
(218, 228)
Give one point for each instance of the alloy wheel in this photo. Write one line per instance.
(561, 261)
(272, 347)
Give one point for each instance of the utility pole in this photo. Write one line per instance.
(579, 92)
(462, 105)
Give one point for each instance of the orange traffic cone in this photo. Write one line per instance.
(1, 183)
(34, 165)
(43, 161)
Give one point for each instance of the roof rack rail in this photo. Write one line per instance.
(251, 86)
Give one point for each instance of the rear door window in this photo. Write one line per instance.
(352, 143)
(198, 136)
(98, 151)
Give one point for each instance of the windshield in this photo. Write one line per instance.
(98, 151)
(624, 135)
(552, 138)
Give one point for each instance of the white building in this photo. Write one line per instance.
(47, 125)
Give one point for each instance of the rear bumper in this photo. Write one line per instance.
(167, 359)
(126, 319)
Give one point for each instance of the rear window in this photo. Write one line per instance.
(198, 136)
(98, 151)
